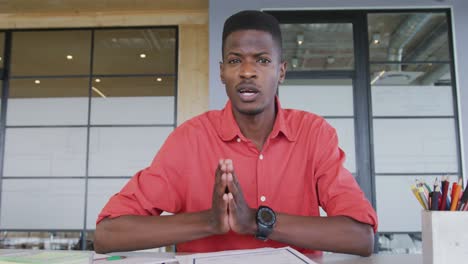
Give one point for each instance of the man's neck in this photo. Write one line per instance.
(257, 128)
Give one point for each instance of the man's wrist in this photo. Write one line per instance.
(209, 222)
(253, 222)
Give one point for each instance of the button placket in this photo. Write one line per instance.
(261, 179)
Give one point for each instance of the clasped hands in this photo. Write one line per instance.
(229, 210)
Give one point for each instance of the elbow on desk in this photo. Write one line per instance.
(101, 238)
(367, 247)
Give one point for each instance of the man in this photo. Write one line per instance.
(251, 175)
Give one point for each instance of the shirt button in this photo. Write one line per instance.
(238, 140)
(261, 156)
(262, 198)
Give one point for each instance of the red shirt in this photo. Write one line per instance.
(299, 169)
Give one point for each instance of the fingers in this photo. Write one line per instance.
(229, 166)
(232, 204)
(225, 202)
(227, 181)
(234, 187)
(220, 185)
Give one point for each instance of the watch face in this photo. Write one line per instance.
(266, 216)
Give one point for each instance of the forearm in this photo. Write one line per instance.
(130, 232)
(338, 234)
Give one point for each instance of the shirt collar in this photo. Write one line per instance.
(230, 130)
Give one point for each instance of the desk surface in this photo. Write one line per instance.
(325, 259)
(339, 258)
(374, 259)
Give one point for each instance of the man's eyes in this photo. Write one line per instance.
(264, 60)
(232, 61)
(260, 60)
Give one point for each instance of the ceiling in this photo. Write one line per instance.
(393, 37)
(78, 6)
(115, 51)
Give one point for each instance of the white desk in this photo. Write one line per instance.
(332, 258)
(326, 259)
(374, 259)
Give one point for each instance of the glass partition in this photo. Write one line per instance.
(87, 109)
(415, 125)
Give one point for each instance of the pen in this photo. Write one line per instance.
(443, 202)
(427, 187)
(422, 194)
(435, 198)
(464, 199)
(455, 195)
(415, 192)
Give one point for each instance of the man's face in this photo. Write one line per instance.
(251, 70)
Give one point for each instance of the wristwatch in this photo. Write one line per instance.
(266, 219)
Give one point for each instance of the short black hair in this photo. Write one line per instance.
(254, 20)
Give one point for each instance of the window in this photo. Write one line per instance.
(87, 108)
(383, 79)
(415, 125)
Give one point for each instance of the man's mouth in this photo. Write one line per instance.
(248, 93)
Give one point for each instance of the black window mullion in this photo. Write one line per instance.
(88, 130)
(363, 112)
(454, 95)
(5, 91)
(363, 108)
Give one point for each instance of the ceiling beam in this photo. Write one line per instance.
(103, 19)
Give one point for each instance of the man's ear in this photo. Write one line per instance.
(221, 72)
(282, 73)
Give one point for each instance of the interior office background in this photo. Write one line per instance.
(399, 116)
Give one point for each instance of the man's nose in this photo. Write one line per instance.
(248, 70)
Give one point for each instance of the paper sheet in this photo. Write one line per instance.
(49, 257)
(284, 255)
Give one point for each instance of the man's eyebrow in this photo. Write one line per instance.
(234, 53)
(255, 55)
(261, 54)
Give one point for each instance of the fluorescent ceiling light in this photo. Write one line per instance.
(377, 77)
(37, 81)
(376, 38)
(294, 62)
(300, 39)
(159, 79)
(99, 92)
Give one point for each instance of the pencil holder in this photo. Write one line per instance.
(444, 237)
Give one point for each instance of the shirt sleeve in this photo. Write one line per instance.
(154, 189)
(338, 191)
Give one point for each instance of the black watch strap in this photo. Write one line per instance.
(263, 232)
(266, 219)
